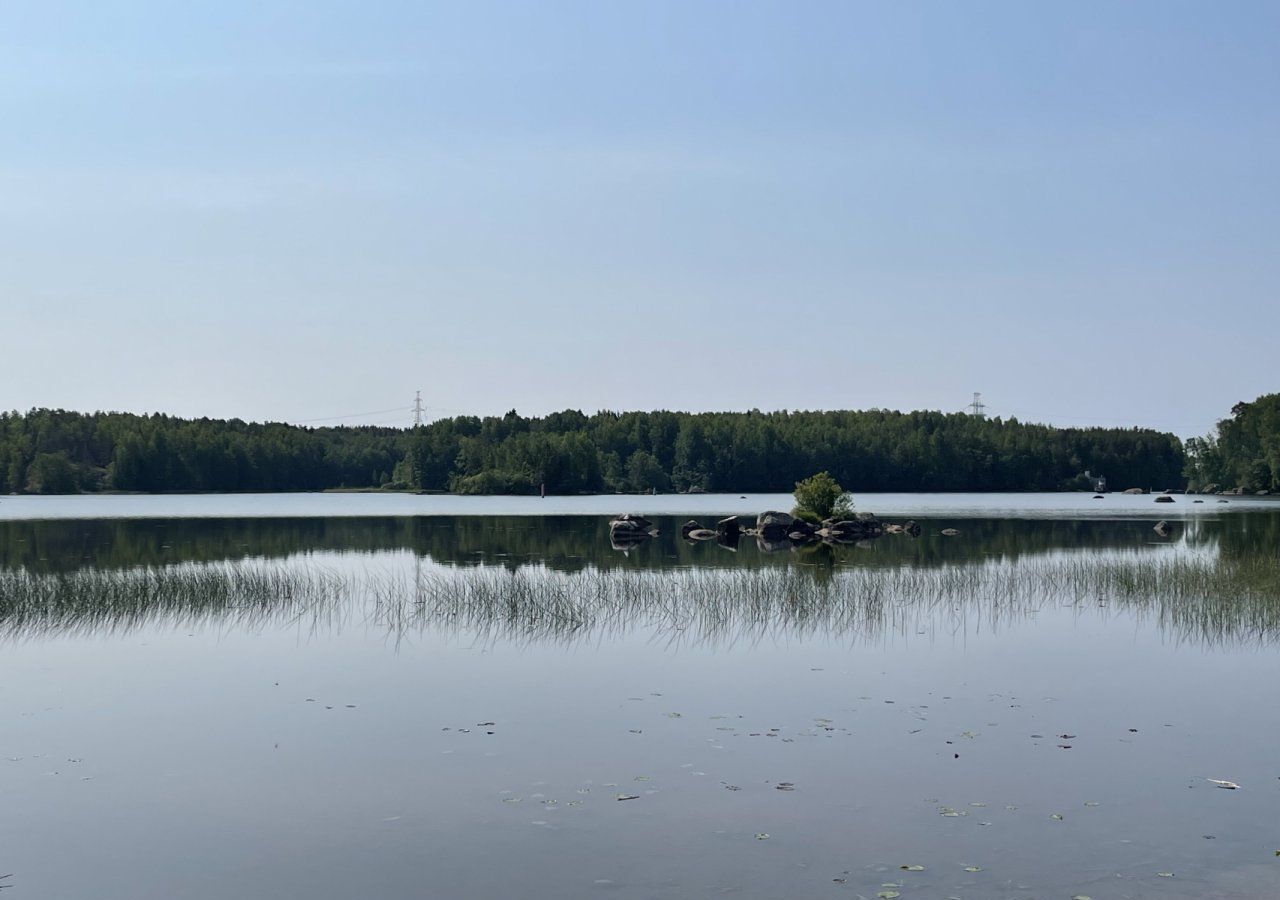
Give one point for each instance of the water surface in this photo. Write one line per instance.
(451, 705)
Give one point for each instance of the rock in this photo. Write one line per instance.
(1136, 491)
(689, 526)
(1262, 493)
(911, 527)
(1162, 528)
(1197, 501)
(730, 527)
(1164, 498)
(701, 534)
(1099, 497)
(773, 517)
(950, 532)
(632, 520)
(893, 529)
(774, 526)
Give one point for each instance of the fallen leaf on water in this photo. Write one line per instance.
(888, 895)
(628, 797)
(1057, 816)
(1228, 785)
(1092, 803)
(762, 836)
(1165, 874)
(911, 868)
(973, 868)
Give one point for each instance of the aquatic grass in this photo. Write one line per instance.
(1191, 596)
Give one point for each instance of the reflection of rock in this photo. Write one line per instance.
(910, 527)
(728, 542)
(627, 540)
(689, 526)
(1162, 528)
(701, 534)
(893, 529)
(845, 531)
(1099, 497)
(950, 532)
(766, 545)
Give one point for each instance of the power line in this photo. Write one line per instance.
(374, 412)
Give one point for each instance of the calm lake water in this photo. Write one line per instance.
(369, 696)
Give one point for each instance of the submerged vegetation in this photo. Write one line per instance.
(55, 451)
(1195, 597)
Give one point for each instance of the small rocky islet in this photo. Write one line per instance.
(772, 530)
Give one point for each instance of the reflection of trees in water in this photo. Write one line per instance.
(1196, 598)
(571, 543)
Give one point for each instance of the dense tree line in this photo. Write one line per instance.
(54, 451)
(1244, 452)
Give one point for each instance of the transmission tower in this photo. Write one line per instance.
(977, 407)
(417, 408)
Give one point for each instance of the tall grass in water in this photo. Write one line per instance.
(1193, 597)
(121, 600)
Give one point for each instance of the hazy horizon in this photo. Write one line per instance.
(303, 212)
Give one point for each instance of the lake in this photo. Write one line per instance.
(395, 696)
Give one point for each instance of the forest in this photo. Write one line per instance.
(1244, 452)
(56, 451)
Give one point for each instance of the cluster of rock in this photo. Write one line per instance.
(772, 530)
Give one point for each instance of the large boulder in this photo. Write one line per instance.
(730, 527)
(1164, 498)
(1135, 491)
(774, 526)
(631, 520)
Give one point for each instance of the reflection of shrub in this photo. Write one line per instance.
(821, 497)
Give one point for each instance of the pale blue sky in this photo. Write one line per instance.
(302, 210)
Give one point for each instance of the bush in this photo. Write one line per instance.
(821, 497)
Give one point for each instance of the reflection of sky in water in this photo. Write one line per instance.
(342, 749)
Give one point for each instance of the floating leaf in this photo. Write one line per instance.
(911, 868)
(973, 868)
(1081, 897)
(628, 797)
(1092, 803)
(888, 895)
(1227, 785)
(1165, 874)
(762, 836)
(1056, 816)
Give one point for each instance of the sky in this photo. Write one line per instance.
(306, 211)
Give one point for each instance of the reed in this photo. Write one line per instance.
(1195, 597)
